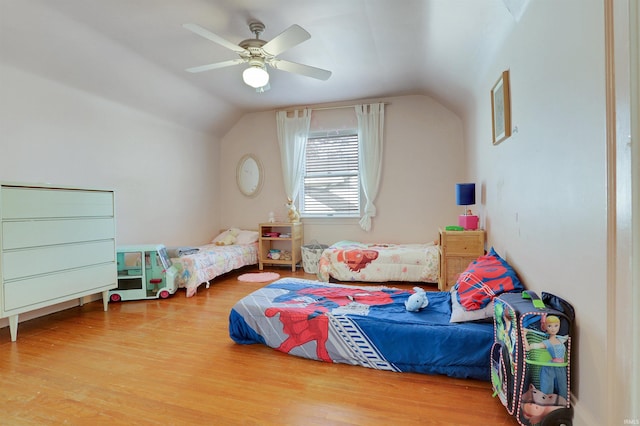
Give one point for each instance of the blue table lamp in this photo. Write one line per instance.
(466, 196)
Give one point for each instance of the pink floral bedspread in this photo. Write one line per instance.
(212, 261)
(353, 261)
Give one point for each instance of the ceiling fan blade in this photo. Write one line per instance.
(296, 68)
(214, 38)
(290, 37)
(216, 65)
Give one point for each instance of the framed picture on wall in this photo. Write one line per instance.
(501, 109)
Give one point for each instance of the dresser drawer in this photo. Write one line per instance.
(46, 290)
(34, 203)
(34, 233)
(43, 260)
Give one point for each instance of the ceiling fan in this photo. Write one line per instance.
(259, 53)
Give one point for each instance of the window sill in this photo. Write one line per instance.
(335, 220)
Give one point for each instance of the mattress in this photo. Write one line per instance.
(362, 325)
(354, 261)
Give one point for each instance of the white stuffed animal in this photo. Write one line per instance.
(229, 238)
(417, 300)
(292, 212)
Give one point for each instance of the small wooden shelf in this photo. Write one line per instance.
(457, 250)
(292, 243)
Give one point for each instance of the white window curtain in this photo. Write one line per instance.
(370, 131)
(292, 137)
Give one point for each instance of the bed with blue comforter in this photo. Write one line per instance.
(362, 325)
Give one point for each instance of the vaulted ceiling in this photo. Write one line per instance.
(136, 52)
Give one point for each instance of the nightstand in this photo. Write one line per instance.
(457, 250)
(277, 234)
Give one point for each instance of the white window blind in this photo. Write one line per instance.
(331, 186)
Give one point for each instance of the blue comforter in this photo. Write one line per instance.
(367, 326)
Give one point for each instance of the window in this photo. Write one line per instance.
(331, 183)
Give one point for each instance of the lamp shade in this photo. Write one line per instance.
(255, 76)
(465, 194)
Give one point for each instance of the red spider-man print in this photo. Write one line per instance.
(303, 325)
(309, 323)
(357, 259)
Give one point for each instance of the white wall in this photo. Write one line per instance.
(543, 189)
(423, 159)
(164, 175)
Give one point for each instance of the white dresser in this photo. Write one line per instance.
(56, 244)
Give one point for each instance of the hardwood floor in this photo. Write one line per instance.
(171, 362)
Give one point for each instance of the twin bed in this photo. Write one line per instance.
(211, 261)
(362, 325)
(354, 261)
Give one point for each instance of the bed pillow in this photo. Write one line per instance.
(460, 314)
(226, 237)
(485, 278)
(221, 236)
(247, 237)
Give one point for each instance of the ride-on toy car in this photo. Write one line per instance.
(144, 272)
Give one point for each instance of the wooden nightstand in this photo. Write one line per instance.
(293, 241)
(457, 250)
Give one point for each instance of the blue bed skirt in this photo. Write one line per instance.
(362, 325)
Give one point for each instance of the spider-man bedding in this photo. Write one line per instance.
(367, 326)
(353, 261)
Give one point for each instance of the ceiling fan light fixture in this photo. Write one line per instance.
(255, 76)
(259, 53)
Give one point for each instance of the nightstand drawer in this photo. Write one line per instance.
(462, 243)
